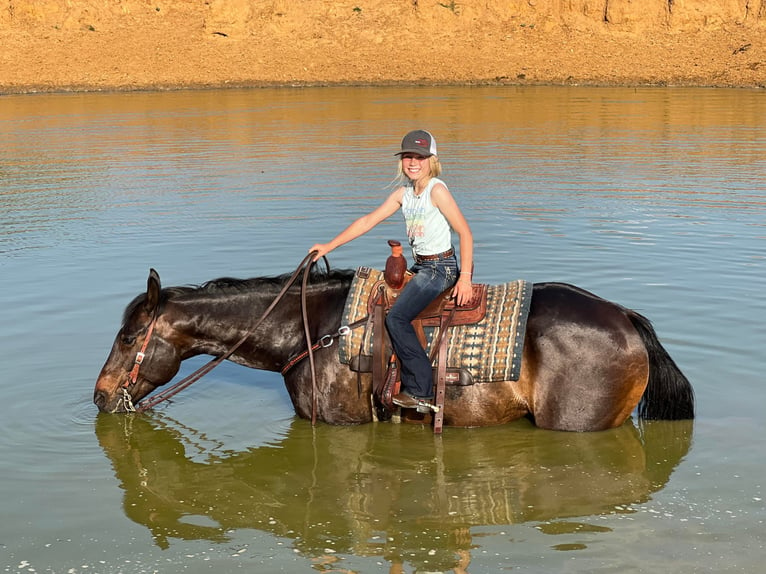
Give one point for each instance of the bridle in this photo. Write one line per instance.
(127, 399)
(132, 378)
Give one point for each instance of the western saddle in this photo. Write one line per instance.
(442, 313)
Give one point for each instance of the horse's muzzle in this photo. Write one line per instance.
(117, 403)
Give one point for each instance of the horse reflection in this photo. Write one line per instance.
(376, 492)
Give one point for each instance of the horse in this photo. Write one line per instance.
(587, 363)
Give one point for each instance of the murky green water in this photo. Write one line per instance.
(653, 198)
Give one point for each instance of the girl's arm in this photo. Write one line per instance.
(362, 225)
(443, 200)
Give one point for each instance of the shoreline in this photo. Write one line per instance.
(256, 85)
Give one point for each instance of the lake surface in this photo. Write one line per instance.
(653, 198)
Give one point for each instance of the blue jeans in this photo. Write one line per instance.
(430, 280)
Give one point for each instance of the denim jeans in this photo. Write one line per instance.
(431, 279)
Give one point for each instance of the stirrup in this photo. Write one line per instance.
(391, 385)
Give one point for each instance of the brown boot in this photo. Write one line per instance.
(407, 401)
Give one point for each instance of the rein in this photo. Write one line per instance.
(304, 267)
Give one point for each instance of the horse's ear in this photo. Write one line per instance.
(153, 287)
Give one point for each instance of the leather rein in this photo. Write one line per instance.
(304, 267)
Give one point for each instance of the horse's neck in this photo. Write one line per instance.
(213, 327)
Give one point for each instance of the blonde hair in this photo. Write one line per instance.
(435, 170)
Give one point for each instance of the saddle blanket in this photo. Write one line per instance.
(489, 350)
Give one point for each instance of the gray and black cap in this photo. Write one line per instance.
(419, 142)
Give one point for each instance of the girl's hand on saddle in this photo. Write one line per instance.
(463, 291)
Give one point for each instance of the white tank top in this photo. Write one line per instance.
(428, 231)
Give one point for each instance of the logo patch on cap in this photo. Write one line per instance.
(420, 142)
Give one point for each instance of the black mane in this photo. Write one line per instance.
(229, 285)
(225, 285)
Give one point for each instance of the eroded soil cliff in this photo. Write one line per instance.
(162, 44)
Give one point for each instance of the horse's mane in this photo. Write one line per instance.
(229, 285)
(226, 285)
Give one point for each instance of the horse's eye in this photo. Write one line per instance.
(128, 340)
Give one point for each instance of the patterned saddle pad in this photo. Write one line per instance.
(489, 350)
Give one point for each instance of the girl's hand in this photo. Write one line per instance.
(463, 291)
(322, 249)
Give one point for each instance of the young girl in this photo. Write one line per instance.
(430, 214)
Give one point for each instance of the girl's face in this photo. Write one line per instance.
(416, 167)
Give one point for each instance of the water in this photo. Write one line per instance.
(653, 198)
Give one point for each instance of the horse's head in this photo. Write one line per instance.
(142, 356)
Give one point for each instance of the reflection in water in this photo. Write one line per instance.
(384, 490)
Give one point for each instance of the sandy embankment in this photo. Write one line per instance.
(51, 45)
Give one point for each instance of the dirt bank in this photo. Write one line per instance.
(51, 45)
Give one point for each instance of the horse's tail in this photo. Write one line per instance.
(669, 394)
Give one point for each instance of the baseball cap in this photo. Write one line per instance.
(420, 142)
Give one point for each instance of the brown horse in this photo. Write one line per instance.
(586, 362)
